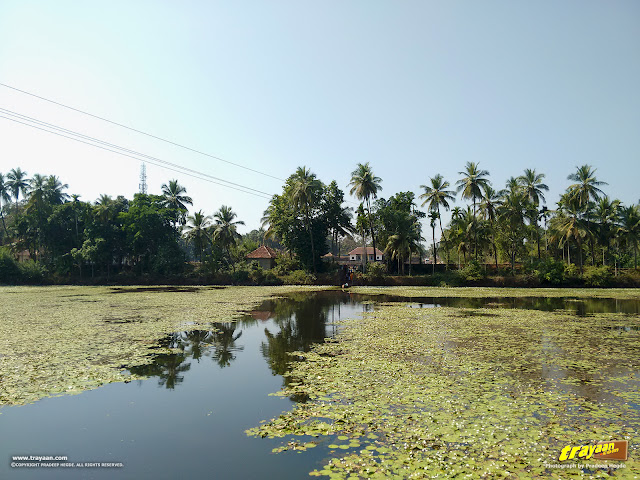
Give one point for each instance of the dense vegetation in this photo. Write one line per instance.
(587, 237)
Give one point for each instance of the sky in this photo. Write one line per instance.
(415, 88)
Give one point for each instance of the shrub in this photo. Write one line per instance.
(9, 270)
(550, 271)
(31, 272)
(472, 272)
(299, 277)
(571, 271)
(256, 273)
(375, 272)
(597, 276)
(286, 265)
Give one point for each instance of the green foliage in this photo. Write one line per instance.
(472, 272)
(32, 272)
(9, 270)
(375, 272)
(299, 277)
(549, 271)
(286, 264)
(597, 276)
(571, 271)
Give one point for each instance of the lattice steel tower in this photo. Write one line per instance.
(143, 178)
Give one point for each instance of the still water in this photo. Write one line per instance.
(188, 419)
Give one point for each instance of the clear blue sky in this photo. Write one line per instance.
(415, 88)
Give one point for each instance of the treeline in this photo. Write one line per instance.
(510, 229)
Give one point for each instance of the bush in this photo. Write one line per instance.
(472, 272)
(286, 265)
(299, 277)
(9, 270)
(375, 272)
(571, 271)
(256, 273)
(31, 272)
(597, 276)
(550, 271)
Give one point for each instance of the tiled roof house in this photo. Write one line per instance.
(265, 256)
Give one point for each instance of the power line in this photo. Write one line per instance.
(141, 132)
(112, 145)
(267, 196)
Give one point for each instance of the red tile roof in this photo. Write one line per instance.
(263, 252)
(359, 250)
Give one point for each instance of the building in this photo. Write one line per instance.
(356, 254)
(265, 256)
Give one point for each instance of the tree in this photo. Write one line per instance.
(489, 207)
(511, 215)
(630, 228)
(533, 187)
(4, 198)
(568, 226)
(433, 216)
(197, 225)
(364, 185)
(471, 186)
(18, 183)
(53, 190)
(338, 217)
(225, 231)
(437, 195)
(174, 198)
(606, 213)
(305, 192)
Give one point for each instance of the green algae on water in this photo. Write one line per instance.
(63, 340)
(451, 392)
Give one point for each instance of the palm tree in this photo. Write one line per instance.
(225, 229)
(606, 213)
(569, 226)
(489, 207)
(364, 185)
(197, 226)
(436, 195)
(304, 194)
(103, 208)
(53, 190)
(4, 198)
(18, 183)
(532, 184)
(630, 228)
(471, 186)
(174, 198)
(401, 245)
(583, 191)
(433, 216)
(586, 186)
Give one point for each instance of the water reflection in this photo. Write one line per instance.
(296, 322)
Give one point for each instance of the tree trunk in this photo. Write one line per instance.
(445, 239)
(475, 229)
(313, 250)
(433, 235)
(373, 237)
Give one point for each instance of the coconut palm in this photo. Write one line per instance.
(364, 185)
(174, 198)
(569, 226)
(401, 245)
(197, 231)
(305, 192)
(18, 183)
(491, 201)
(533, 187)
(53, 190)
(630, 228)
(437, 195)
(586, 186)
(5, 197)
(433, 216)
(606, 214)
(225, 228)
(104, 208)
(471, 185)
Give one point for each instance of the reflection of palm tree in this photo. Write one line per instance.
(223, 341)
